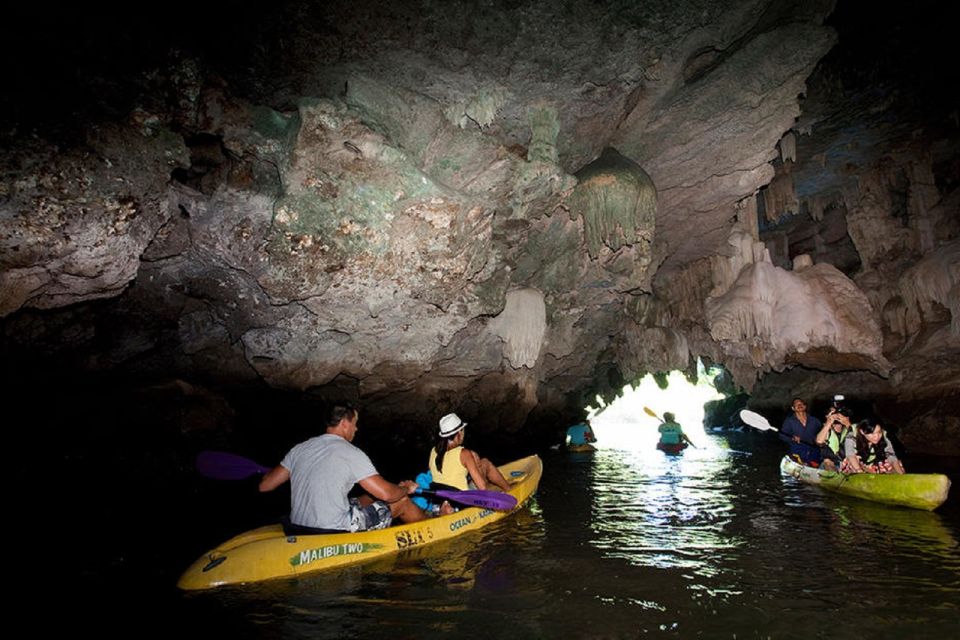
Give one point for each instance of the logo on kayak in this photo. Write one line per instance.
(322, 553)
(412, 537)
(459, 524)
(462, 522)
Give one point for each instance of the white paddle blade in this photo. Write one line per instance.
(756, 421)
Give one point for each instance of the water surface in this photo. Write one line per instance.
(618, 544)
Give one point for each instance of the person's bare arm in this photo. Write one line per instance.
(854, 465)
(850, 453)
(894, 463)
(382, 489)
(824, 433)
(471, 461)
(274, 478)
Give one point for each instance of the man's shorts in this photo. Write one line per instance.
(373, 516)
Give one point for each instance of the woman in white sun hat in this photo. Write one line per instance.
(453, 465)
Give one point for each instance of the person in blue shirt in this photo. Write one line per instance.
(580, 434)
(800, 432)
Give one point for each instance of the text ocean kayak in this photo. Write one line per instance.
(266, 553)
(916, 490)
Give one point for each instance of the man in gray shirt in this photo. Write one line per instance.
(323, 470)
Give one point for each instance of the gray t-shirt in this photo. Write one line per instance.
(322, 472)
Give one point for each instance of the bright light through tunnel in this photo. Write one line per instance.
(623, 424)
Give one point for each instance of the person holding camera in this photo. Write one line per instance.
(831, 437)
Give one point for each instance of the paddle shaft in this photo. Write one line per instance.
(475, 498)
(222, 465)
(757, 421)
(653, 414)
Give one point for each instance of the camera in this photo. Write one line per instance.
(839, 406)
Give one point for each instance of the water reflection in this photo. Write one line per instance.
(444, 587)
(912, 532)
(665, 511)
(624, 543)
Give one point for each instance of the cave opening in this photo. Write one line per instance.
(625, 423)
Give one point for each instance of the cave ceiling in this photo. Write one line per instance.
(434, 206)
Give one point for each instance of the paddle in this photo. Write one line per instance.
(652, 413)
(475, 498)
(757, 421)
(221, 465)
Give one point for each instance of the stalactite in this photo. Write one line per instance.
(817, 205)
(617, 200)
(780, 197)
(744, 250)
(479, 110)
(923, 193)
(747, 215)
(778, 312)
(544, 129)
(875, 231)
(522, 326)
(933, 280)
(788, 147)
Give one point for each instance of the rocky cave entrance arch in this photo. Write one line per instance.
(623, 422)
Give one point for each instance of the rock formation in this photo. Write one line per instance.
(459, 206)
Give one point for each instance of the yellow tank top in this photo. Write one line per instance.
(454, 473)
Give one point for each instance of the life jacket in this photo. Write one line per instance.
(876, 453)
(873, 454)
(835, 440)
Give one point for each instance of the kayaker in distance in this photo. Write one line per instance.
(800, 431)
(580, 434)
(672, 437)
(454, 466)
(832, 436)
(322, 470)
(868, 450)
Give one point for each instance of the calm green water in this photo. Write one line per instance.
(618, 544)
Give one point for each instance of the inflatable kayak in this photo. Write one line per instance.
(267, 553)
(916, 490)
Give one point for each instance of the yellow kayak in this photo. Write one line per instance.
(581, 448)
(266, 553)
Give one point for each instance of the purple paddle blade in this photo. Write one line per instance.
(477, 498)
(221, 465)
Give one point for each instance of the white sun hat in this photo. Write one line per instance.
(450, 424)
